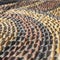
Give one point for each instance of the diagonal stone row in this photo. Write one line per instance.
(7, 31)
(37, 5)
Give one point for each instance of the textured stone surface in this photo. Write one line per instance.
(30, 30)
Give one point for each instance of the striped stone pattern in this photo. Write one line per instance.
(30, 30)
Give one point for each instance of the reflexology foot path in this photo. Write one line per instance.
(30, 33)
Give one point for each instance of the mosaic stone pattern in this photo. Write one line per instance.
(30, 30)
